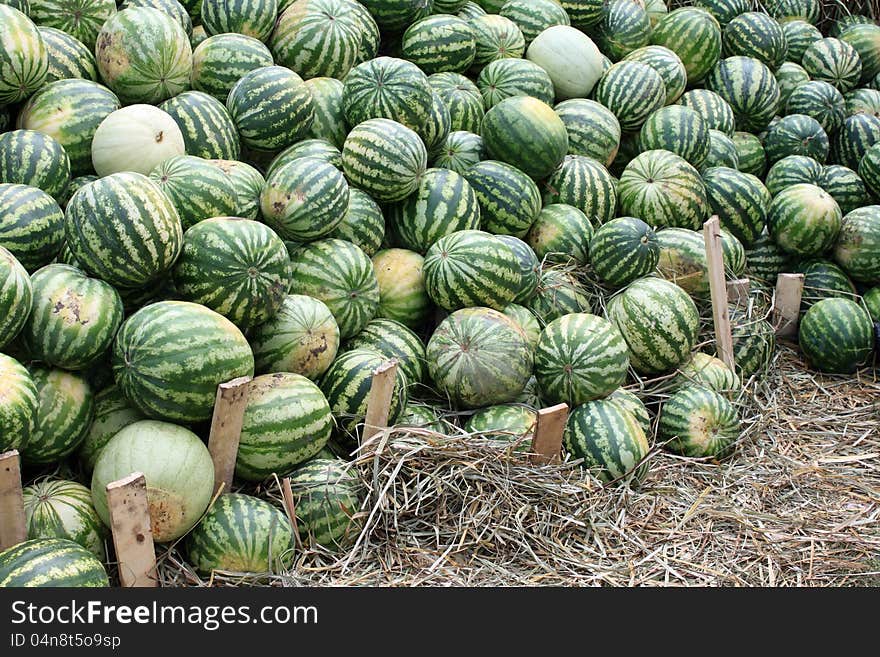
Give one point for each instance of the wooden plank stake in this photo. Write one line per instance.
(718, 289)
(547, 441)
(290, 508)
(787, 308)
(738, 291)
(226, 430)
(132, 535)
(379, 404)
(13, 529)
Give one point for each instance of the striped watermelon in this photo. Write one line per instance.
(302, 338)
(178, 471)
(31, 225)
(865, 40)
(740, 200)
(113, 412)
(508, 199)
(833, 61)
(271, 108)
(632, 90)
(385, 159)
(247, 183)
(143, 55)
(505, 78)
(511, 423)
(695, 36)
(863, 101)
(136, 138)
(315, 148)
(857, 249)
(822, 280)
(609, 439)
(571, 59)
(625, 27)
(51, 563)
(579, 358)
(845, 186)
(755, 34)
(402, 294)
(329, 122)
(667, 64)
(496, 37)
(872, 303)
(799, 34)
(18, 412)
(74, 318)
(659, 322)
(623, 250)
(796, 134)
(789, 76)
(807, 10)
(387, 88)
(724, 11)
(749, 88)
(67, 57)
(534, 16)
(207, 128)
(630, 401)
(530, 396)
(585, 184)
(528, 265)
(709, 372)
(253, 18)
(198, 189)
(437, 126)
(662, 189)
(28, 157)
(393, 340)
(169, 358)
(172, 8)
(713, 109)
(440, 43)
(559, 293)
(819, 100)
(471, 268)
(363, 224)
(697, 421)
(561, 233)
(527, 321)
(804, 220)
(65, 407)
(593, 130)
(462, 98)
(857, 134)
(754, 341)
(221, 60)
(81, 19)
(420, 416)
(683, 260)
(583, 13)
(836, 336)
(16, 297)
(123, 229)
(342, 276)
(57, 508)
(792, 170)
(241, 534)
(765, 260)
(326, 497)
(287, 421)
(846, 21)
(479, 357)
(236, 267)
(677, 129)
(722, 152)
(869, 169)
(23, 56)
(460, 152)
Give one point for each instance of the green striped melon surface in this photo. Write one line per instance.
(440, 43)
(799, 34)
(667, 64)
(709, 372)
(662, 189)
(241, 534)
(302, 337)
(31, 225)
(29, 157)
(561, 233)
(51, 563)
(845, 186)
(508, 199)
(253, 18)
(479, 357)
(16, 296)
(392, 340)
(754, 342)
(724, 11)
(74, 318)
(371, 35)
(623, 250)
(846, 21)
(123, 229)
(765, 260)
(471, 268)
(865, 40)
(236, 267)
(505, 78)
(658, 321)
(437, 126)
(197, 189)
(819, 100)
(402, 294)
(169, 358)
(585, 184)
(722, 152)
(460, 152)
(755, 34)
(857, 134)
(534, 16)
(113, 412)
(363, 224)
(420, 416)
(872, 303)
(393, 16)
(796, 134)
(246, 182)
(789, 76)
(740, 200)
(857, 248)
(529, 267)
(326, 497)
(836, 336)
(583, 13)
(385, 159)
(677, 129)
(70, 111)
(807, 10)
(792, 170)
(57, 508)
(694, 35)
(804, 220)
(630, 401)
(593, 130)
(559, 293)
(625, 27)
(65, 407)
(67, 56)
(632, 90)
(609, 439)
(143, 55)
(698, 422)
(346, 385)
(329, 122)
(512, 423)
(172, 8)
(683, 260)
(208, 130)
(833, 61)
(497, 37)
(387, 88)
(287, 421)
(317, 148)
(749, 88)
(221, 60)
(462, 98)
(530, 396)
(23, 56)
(713, 109)
(527, 321)
(869, 169)
(18, 412)
(81, 19)
(863, 101)
(823, 279)
(342, 276)
(271, 108)
(579, 358)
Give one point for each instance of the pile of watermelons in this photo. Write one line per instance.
(505, 196)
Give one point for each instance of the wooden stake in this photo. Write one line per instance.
(738, 291)
(379, 404)
(132, 536)
(225, 433)
(547, 440)
(287, 497)
(13, 529)
(718, 289)
(787, 308)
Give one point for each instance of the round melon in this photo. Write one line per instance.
(694, 35)
(19, 404)
(136, 138)
(511, 423)
(363, 224)
(326, 496)
(24, 59)
(571, 59)
(509, 200)
(57, 508)
(804, 220)
(51, 563)
(223, 59)
(623, 250)
(16, 297)
(113, 412)
(402, 294)
(65, 408)
(28, 157)
(31, 225)
(593, 130)
(836, 336)
(857, 248)
(697, 421)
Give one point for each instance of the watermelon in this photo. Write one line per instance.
(585, 184)
(511, 423)
(857, 248)
(796, 134)
(16, 297)
(677, 129)
(722, 152)
(440, 43)
(865, 40)
(863, 101)
(819, 100)
(836, 336)
(872, 303)
(623, 250)
(630, 401)
(247, 183)
(632, 90)
(765, 260)
(496, 37)
(23, 56)
(18, 412)
(713, 109)
(387, 88)
(583, 13)
(316, 148)
(136, 138)
(462, 98)
(437, 126)
(505, 78)
(31, 225)
(857, 134)
(709, 372)
(253, 18)
(593, 130)
(869, 169)
(694, 35)
(625, 27)
(683, 260)
(846, 21)
(64, 413)
(533, 16)
(558, 294)
(420, 416)
(508, 199)
(754, 342)
(740, 200)
(799, 34)
(197, 189)
(658, 321)
(724, 11)
(67, 57)
(529, 267)
(527, 321)
(667, 64)
(804, 220)
(303, 338)
(833, 61)
(789, 76)
(56, 508)
(479, 357)
(822, 280)
(326, 497)
(393, 340)
(207, 128)
(755, 34)
(363, 224)
(792, 170)
(112, 414)
(561, 233)
(329, 122)
(571, 59)
(178, 471)
(171, 8)
(845, 186)
(221, 60)
(460, 152)
(807, 10)
(749, 88)
(697, 421)
(51, 563)
(81, 19)
(402, 294)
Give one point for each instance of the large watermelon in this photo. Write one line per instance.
(694, 35)
(57, 508)
(198, 189)
(28, 157)
(750, 89)
(857, 248)
(64, 413)
(50, 563)
(804, 220)
(402, 294)
(697, 421)
(204, 122)
(16, 297)
(31, 225)
(18, 412)
(623, 250)
(23, 56)
(221, 60)
(836, 336)
(326, 496)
